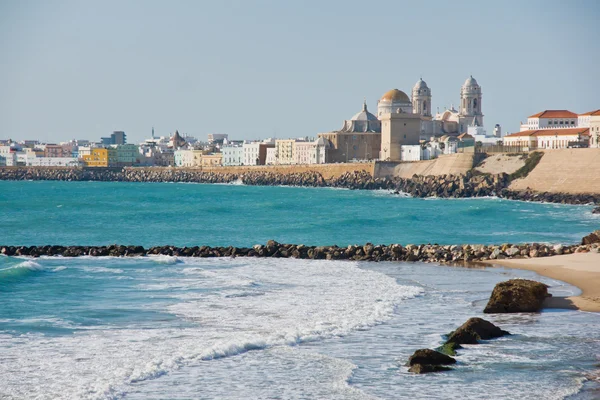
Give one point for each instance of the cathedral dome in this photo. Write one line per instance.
(421, 84)
(470, 82)
(395, 95)
(364, 115)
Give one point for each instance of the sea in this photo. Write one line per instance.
(161, 327)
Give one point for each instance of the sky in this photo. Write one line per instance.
(73, 69)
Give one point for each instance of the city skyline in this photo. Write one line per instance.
(81, 71)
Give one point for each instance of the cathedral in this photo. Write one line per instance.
(449, 122)
(401, 120)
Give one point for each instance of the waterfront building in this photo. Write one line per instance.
(251, 153)
(360, 136)
(187, 158)
(271, 159)
(284, 151)
(211, 160)
(559, 138)
(127, 154)
(255, 153)
(551, 119)
(314, 152)
(54, 150)
(233, 155)
(52, 162)
(101, 157)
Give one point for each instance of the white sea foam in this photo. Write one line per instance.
(58, 269)
(307, 301)
(97, 270)
(164, 259)
(30, 265)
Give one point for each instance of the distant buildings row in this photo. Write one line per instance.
(404, 129)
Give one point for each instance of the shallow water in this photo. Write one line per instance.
(151, 214)
(163, 327)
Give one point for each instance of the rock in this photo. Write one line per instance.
(517, 295)
(430, 357)
(596, 210)
(427, 368)
(593, 237)
(474, 330)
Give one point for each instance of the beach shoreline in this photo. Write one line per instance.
(580, 269)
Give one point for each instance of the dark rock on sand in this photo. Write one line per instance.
(517, 295)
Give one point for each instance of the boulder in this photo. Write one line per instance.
(474, 330)
(430, 357)
(593, 237)
(596, 210)
(517, 295)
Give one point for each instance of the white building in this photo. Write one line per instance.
(52, 162)
(187, 158)
(559, 138)
(271, 158)
(311, 152)
(233, 155)
(251, 153)
(551, 119)
(411, 152)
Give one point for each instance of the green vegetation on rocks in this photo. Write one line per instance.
(531, 162)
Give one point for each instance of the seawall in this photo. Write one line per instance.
(449, 164)
(572, 171)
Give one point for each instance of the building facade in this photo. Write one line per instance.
(233, 155)
(101, 157)
(549, 138)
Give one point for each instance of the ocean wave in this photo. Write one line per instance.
(97, 270)
(164, 259)
(21, 270)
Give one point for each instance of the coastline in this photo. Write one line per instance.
(580, 269)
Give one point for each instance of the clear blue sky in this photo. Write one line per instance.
(253, 69)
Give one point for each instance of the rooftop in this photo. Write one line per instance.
(554, 114)
(552, 132)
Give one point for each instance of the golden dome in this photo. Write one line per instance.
(395, 95)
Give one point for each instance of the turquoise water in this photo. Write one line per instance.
(150, 214)
(224, 328)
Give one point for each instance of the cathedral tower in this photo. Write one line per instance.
(421, 99)
(470, 103)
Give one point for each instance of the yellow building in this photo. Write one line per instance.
(284, 151)
(101, 157)
(211, 159)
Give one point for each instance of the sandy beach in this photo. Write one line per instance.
(580, 269)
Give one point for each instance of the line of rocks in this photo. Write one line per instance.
(429, 253)
(443, 186)
(512, 296)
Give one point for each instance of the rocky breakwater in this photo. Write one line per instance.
(428, 253)
(176, 175)
(60, 174)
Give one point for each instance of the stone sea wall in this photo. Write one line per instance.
(429, 253)
(443, 186)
